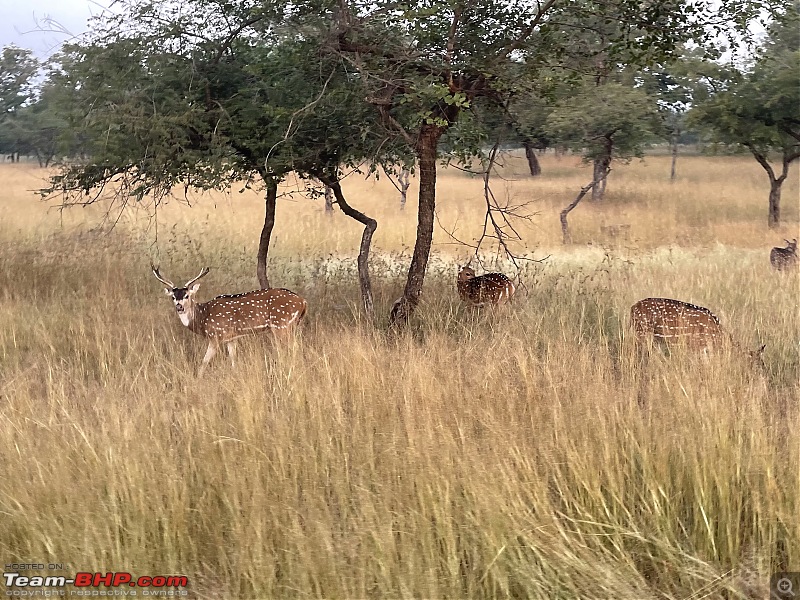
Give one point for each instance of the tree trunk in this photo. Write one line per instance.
(565, 234)
(774, 219)
(266, 231)
(370, 225)
(426, 148)
(401, 185)
(328, 200)
(533, 162)
(404, 180)
(600, 176)
(775, 183)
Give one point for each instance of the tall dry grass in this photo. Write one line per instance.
(529, 453)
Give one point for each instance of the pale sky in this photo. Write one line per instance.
(43, 25)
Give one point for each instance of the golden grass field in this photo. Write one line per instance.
(526, 453)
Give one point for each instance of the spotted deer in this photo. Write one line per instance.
(492, 288)
(226, 318)
(784, 258)
(666, 321)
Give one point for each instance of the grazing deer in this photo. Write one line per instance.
(784, 258)
(492, 288)
(226, 318)
(667, 321)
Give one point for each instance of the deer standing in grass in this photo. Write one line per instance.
(226, 318)
(784, 258)
(492, 288)
(666, 321)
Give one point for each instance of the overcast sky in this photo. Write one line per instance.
(43, 25)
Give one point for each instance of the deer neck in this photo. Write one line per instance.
(193, 317)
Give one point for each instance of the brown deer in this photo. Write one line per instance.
(784, 258)
(492, 288)
(666, 321)
(226, 318)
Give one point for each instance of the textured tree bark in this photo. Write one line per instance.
(600, 171)
(774, 219)
(427, 145)
(533, 162)
(775, 183)
(328, 200)
(370, 225)
(602, 165)
(266, 230)
(404, 182)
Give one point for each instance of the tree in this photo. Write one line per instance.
(677, 86)
(208, 98)
(424, 64)
(758, 108)
(674, 96)
(18, 69)
(604, 123)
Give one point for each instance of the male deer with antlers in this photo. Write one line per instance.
(668, 321)
(784, 258)
(492, 288)
(226, 318)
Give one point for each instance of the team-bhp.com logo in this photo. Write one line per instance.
(114, 584)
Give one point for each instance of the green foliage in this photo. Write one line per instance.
(177, 105)
(18, 67)
(759, 107)
(599, 118)
(628, 43)
(216, 91)
(676, 85)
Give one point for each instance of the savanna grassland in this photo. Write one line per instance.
(527, 453)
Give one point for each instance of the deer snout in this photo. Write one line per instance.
(179, 308)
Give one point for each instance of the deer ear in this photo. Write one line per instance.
(194, 288)
(168, 291)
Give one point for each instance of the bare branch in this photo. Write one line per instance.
(567, 238)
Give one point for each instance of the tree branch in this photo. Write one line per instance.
(790, 132)
(527, 31)
(566, 237)
(762, 160)
(370, 225)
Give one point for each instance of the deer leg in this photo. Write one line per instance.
(210, 352)
(232, 352)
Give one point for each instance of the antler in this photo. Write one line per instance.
(166, 282)
(203, 273)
